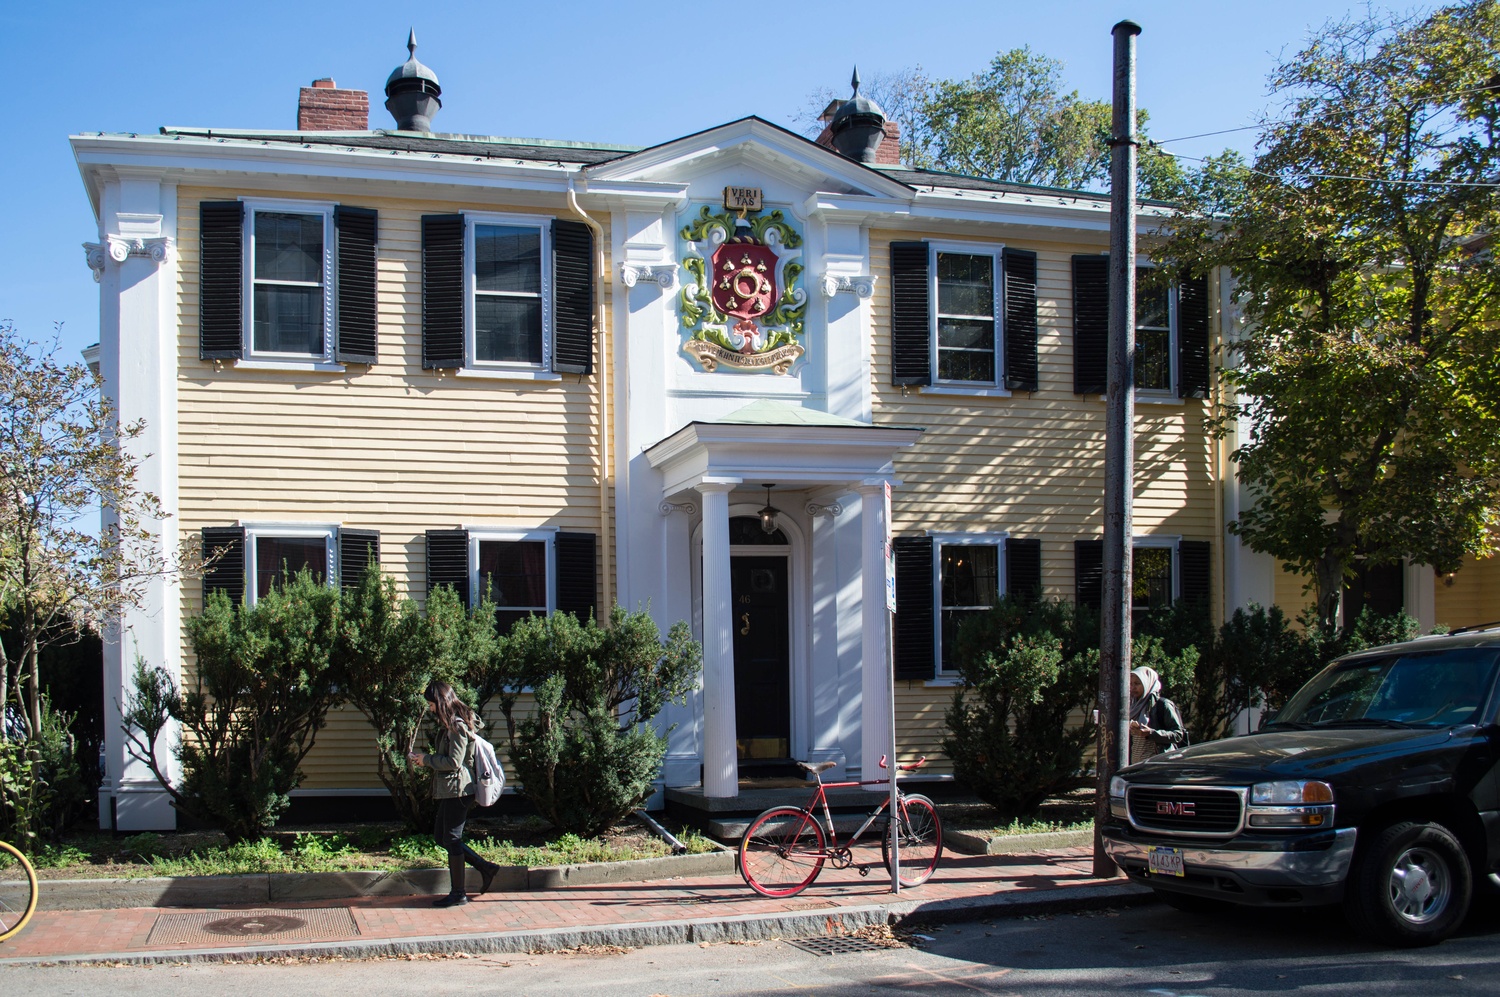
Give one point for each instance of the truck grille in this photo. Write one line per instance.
(1187, 810)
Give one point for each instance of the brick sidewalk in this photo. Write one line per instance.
(631, 914)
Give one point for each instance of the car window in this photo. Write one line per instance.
(1421, 688)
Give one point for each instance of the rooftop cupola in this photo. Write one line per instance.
(412, 92)
(858, 126)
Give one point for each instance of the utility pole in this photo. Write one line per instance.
(1119, 443)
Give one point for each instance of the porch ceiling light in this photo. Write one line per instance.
(768, 514)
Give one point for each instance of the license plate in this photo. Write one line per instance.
(1164, 861)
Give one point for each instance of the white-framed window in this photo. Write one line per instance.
(277, 551)
(969, 578)
(966, 310)
(1155, 336)
(1154, 573)
(508, 292)
(289, 249)
(516, 569)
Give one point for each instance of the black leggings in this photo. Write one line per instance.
(448, 831)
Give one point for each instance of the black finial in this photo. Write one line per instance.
(411, 42)
(854, 82)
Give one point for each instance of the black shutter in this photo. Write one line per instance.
(577, 575)
(448, 561)
(1192, 338)
(573, 295)
(357, 233)
(221, 280)
(1193, 558)
(916, 648)
(443, 293)
(911, 331)
(1023, 568)
(1090, 325)
(358, 549)
(227, 574)
(1088, 573)
(1020, 320)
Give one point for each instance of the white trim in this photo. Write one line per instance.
(291, 366)
(247, 278)
(289, 531)
(509, 368)
(994, 251)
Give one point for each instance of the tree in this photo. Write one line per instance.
(64, 456)
(1360, 243)
(1011, 122)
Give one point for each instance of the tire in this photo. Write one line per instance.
(17, 891)
(1410, 885)
(921, 841)
(782, 852)
(1190, 903)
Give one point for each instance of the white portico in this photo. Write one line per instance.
(716, 472)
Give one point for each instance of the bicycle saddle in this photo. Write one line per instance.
(814, 768)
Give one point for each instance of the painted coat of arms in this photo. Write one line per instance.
(743, 308)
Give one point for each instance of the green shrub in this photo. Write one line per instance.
(43, 788)
(1027, 668)
(589, 754)
(262, 688)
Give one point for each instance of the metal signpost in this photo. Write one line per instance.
(890, 685)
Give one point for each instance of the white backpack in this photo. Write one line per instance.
(489, 777)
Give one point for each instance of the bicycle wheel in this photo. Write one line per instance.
(782, 852)
(17, 891)
(921, 841)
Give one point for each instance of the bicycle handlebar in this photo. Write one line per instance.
(905, 768)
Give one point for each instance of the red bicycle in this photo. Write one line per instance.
(785, 848)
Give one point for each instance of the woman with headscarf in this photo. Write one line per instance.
(1155, 724)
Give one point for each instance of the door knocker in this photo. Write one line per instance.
(745, 630)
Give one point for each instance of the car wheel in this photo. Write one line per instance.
(1189, 903)
(1410, 885)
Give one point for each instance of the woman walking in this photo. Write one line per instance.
(1155, 724)
(452, 788)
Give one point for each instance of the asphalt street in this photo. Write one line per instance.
(1150, 951)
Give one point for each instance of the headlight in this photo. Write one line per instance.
(1290, 794)
(1117, 786)
(1117, 798)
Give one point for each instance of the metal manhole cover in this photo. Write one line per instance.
(835, 945)
(218, 926)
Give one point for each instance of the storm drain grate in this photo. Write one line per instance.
(219, 926)
(835, 945)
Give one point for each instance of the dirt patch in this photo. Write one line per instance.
(1072, 806)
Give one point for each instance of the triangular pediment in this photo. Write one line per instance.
(757, 144)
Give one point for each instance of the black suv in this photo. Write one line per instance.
(1378, 786)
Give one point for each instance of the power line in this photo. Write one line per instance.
(1331, 176)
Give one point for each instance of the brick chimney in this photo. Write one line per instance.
(323, 107)
(889, 152)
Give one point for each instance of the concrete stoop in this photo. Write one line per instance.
(261, 888)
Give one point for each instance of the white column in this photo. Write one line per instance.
(683, 724)
(721, 767)
(875, 687)
(827, 705)
(138, 362)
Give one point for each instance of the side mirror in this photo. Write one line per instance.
(1265, 718)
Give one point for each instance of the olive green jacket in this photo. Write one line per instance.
(451, 761)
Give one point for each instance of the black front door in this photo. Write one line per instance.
(762, 662)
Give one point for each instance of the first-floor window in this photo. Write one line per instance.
(513, 573)
(1151, 577)
(278, 557)
(969, 584)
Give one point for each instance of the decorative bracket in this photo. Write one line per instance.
(860, 285)
(831, 510)
(158, 250)
(664, 275)
(686, 508)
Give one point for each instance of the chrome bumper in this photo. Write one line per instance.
(1258, 867)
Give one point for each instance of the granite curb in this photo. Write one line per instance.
(745, 927)
(970, 843)
(263, 888)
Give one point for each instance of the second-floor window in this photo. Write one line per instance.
(1154, 337)
(966, 309)
(289, 278)
(510, 322)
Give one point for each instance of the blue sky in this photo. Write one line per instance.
(629, 73)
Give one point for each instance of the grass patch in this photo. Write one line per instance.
(526, 841)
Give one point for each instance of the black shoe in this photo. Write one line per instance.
(487, 877)
(451, 900)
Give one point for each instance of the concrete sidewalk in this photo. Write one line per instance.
(708, 908)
